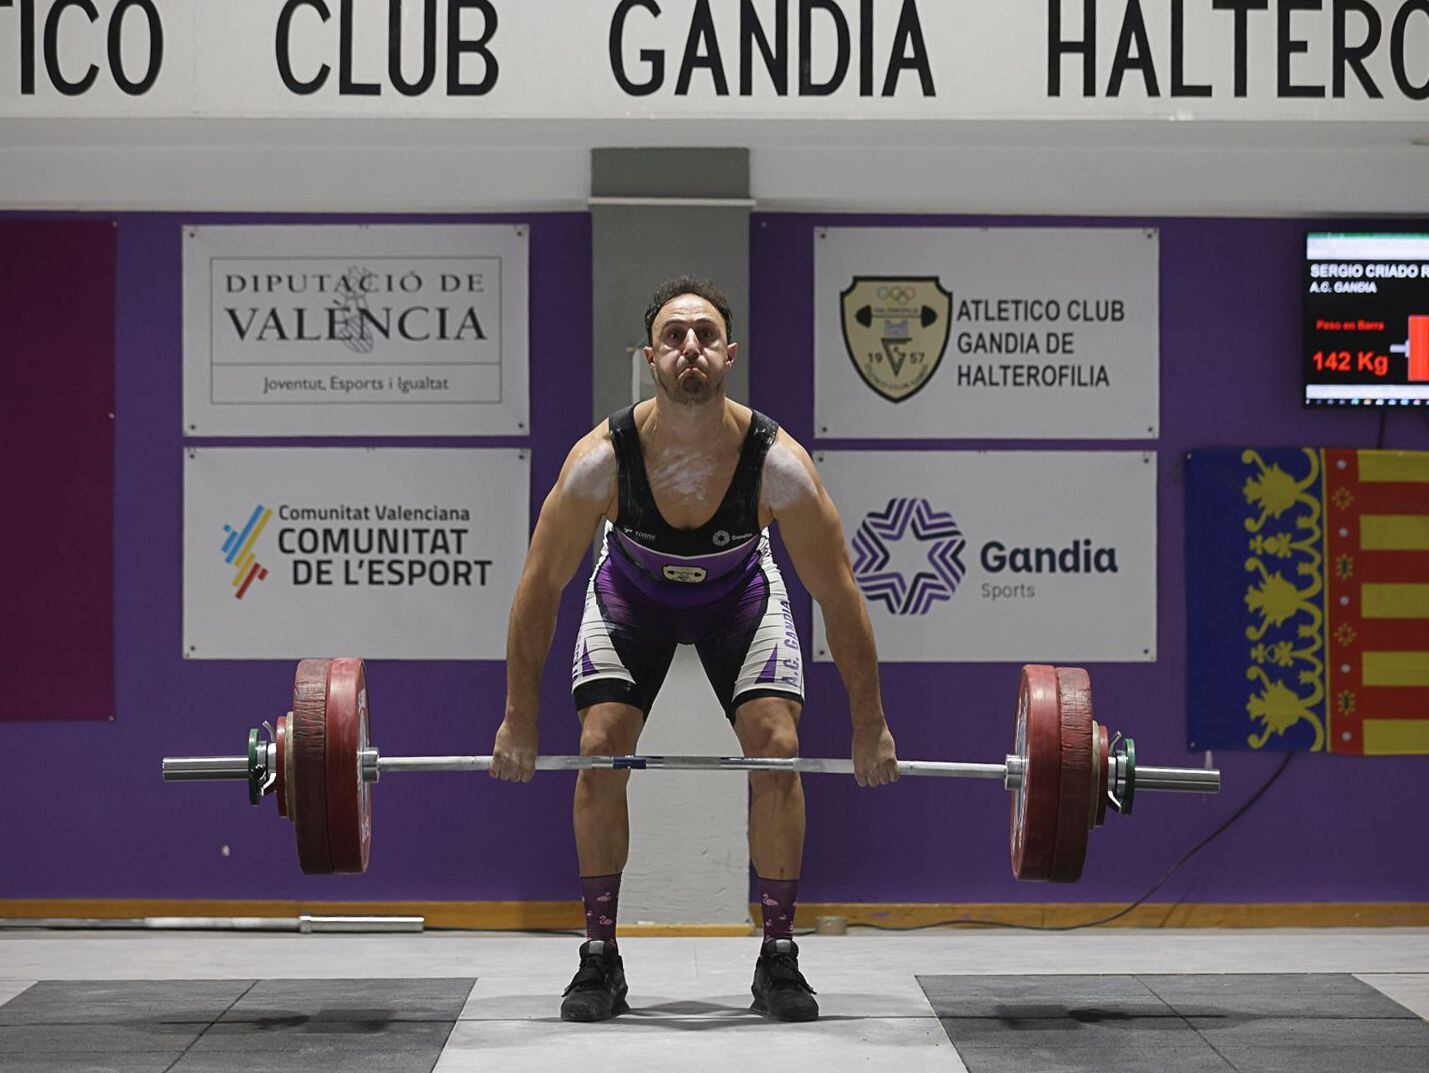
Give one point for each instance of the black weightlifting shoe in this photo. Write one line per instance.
(780, 990)
(597, 992)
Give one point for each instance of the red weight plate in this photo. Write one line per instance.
(1074, 704)
(1104, 782)
(1038, 744)
(280, 785)
(309, 774)
(349, 806)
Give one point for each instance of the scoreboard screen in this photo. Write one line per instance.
(1366, 340)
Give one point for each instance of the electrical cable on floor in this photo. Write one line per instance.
(964, 921)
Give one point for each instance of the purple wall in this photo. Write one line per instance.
(1332, 828)
(87, 815)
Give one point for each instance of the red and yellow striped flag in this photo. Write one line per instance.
(1377, 601)
(1307, 600)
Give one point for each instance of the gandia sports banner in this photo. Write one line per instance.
(1004, 333)
(391, 553)
(354, 330)
(1024, 556)
(1307, 577)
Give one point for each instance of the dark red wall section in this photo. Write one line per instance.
(57, 469)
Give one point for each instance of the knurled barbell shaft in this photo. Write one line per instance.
(810, 765)
(1184, 780)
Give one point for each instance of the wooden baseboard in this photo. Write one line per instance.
(568, 915)
(1148, 915)
(479, 916)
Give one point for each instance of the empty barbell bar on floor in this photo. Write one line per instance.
(319, 763)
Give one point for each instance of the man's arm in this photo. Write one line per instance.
(809, 523)
(583, 493)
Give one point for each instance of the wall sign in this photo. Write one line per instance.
(965, 333)
(392, 553)
(1024, 556)
(355, 330)
(903, 59)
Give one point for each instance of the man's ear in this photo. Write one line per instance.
(730, 352)
(649, 352)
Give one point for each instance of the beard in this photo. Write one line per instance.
(691, 391)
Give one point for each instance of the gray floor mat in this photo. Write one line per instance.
(1252, 1023)
(228, 1026)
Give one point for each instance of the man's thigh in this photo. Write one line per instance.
(623, 648)
(750, 649)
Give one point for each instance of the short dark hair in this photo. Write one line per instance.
(670, 289)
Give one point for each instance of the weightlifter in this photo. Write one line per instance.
(690, 483)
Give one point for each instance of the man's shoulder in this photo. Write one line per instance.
(789, 474)
(787, 447)
(591, 466)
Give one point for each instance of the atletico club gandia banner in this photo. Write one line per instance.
(1001, 333)
(1307, 577)
(392, 553)
(355, 330)
(1025, 556)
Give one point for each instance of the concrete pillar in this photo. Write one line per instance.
(658, 213)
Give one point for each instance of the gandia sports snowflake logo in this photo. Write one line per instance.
(908, 519)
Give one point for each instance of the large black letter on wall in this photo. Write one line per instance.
(1354, 56)
(283, 45)
(653, 57)
(1057, 48)
(457, 47)
(156, 47)
(429, 49)
(1397, 35)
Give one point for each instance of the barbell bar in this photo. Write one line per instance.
(215, 768)
(318, 761)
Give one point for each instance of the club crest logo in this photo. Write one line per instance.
(896, 330)
(938, 545)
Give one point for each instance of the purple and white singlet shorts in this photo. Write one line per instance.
(745, 636)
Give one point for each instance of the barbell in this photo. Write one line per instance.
(319, 763)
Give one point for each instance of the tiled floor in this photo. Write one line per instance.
(939, 1000)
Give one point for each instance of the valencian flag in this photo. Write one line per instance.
(1307, 597)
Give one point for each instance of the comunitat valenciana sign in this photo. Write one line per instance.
(405, 553)
(591, 59)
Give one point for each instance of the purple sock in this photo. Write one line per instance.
(776, 899)
(601, 895)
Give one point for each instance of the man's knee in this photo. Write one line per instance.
(769, 727)
(610, 730)
(777, 741)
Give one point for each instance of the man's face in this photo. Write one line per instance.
(690, 354)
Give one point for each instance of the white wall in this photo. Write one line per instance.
(1016, 168)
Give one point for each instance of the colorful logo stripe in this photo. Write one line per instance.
(238, 550)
